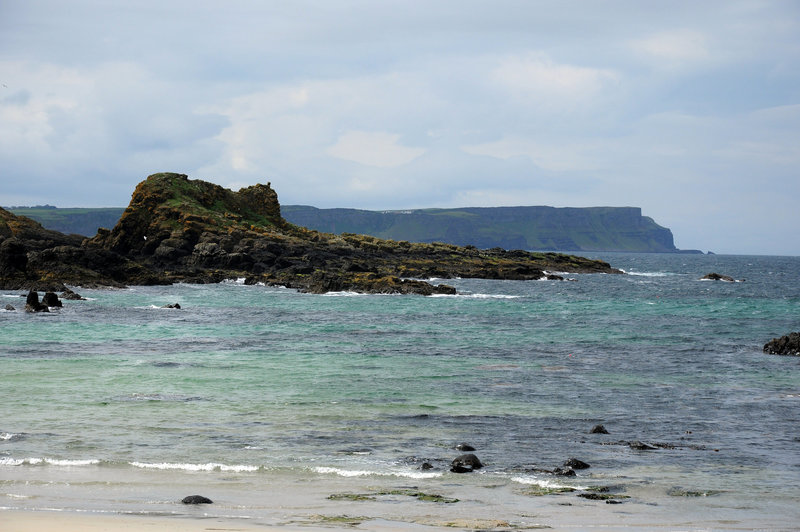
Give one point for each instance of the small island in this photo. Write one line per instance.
(180, 230)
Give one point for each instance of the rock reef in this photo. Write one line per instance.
(785, 345)
(180, 230)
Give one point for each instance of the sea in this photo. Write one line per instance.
(295, 409)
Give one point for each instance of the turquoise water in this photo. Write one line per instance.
(248, 382)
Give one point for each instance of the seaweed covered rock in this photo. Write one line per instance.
(785, 345)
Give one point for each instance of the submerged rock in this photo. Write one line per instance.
(574, 463)
(72, 296)
(713, 276)
(10, 308)
(598, 429)
(464, 447)
(558, 471)
(785, 345)
(172, 305)
(642, 446)
(196, 499)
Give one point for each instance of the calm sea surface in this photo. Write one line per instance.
(109, 404)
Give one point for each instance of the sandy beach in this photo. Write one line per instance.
(23, 521)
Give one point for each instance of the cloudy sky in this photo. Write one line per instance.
(689, 110)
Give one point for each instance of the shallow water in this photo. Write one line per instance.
(250, 390)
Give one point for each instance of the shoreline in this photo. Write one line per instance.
(579, 519)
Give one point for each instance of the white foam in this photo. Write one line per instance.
(71, 462)
(365, 473)
(7, 461)
(478, 296)
(343, 294)
(532, 481)
(196, 467)
(648, 274)
(6, 436)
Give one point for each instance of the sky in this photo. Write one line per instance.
(689, 110)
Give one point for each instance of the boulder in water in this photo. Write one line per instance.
(72, 296)
(32, 303)
(598, 429)
(574, 463)
(196, 499)
(785, 345)
(51, 300)
(466, 463)
(713, 276)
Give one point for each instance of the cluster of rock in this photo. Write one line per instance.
(49, 300)
(785, 345)
(181, 230)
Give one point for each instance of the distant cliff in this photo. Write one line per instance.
(530, 228)
(79, 221)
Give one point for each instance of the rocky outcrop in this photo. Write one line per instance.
(713, 276)
(32, 303)
(785, 345)
(181, 230)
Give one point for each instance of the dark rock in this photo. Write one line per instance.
(32, 303)
(51, 300)
(464, 447)
(466, 463)
(196, 499)
(641, 446)
(9, 307)
(718, 277)
(598, 429)
(785, 345)
(71, 296)
(172, 305)
(574, 463)
(559, 471)
(426, 466)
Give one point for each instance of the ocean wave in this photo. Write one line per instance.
(649, 274)
(365, 473)
(165, 397)
(8, 461)
(238, 468)
(343, 294)
(10, 436)
(477, 296)
(549, 484)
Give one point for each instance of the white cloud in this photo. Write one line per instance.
(373, 148)
(674, 48)
(544, 83)
(556, 156)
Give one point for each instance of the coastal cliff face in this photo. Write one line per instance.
(177, 229)
(530, 228)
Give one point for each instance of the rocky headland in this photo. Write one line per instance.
(181, 230)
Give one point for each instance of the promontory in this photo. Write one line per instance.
(180, 230)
